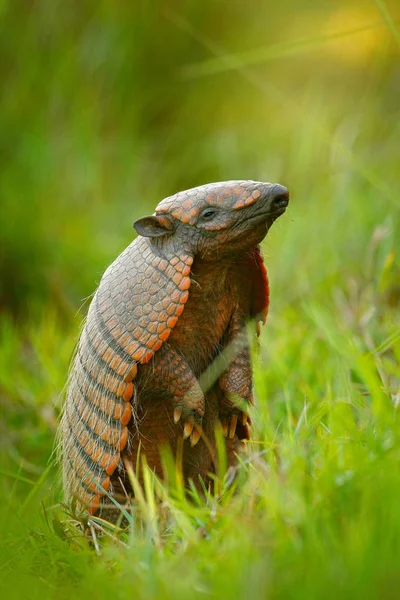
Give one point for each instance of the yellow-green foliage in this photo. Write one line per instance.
(108, 106)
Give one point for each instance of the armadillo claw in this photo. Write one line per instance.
(232, 425)
(187, 430)
(177, 414)
(196, 435)
(224, 425)
(246, 419)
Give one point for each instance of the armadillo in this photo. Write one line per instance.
(176, 299)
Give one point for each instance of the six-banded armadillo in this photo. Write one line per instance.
(178, 297)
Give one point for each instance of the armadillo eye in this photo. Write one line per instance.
(208, 214)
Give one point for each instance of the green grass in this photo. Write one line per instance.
(100, 123)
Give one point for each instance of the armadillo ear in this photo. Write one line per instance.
(154, 226)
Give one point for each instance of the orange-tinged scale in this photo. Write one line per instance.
(106, 484)
(176, 296)
(111, 323)
(97, 342)
(186, 271)
(94, 506)
(77, 464)
(108, 355)
(121, 389)
(177, 278)
(147, 357)
(123, 369)
(172, 321)
(116, 362)
(84, 478)
(179, 266)
(153, 341)
(93, 487)
(174, 260)
(179, 310)
(170, 271)
(171, 309)
(132, 348)
(250, 200)
(124, 438)
(215, 227)
(187, 259)
(110, 465)
(165, 335)
(110, 384)
(95, 453)
(128, 393)
(187, 204)
(79, 491)
(118, 410)
(185, 218)
(239, 204)
(256, 194)
(161, 327)
(163, 316)
(183, 297)
(131, 374)
(139, 354)
(153, 288)
(124, 340)
(126, 415)
(157, 345)
(108, 460)
(109, 435)
(185, 284)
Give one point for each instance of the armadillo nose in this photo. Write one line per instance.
(279, 197)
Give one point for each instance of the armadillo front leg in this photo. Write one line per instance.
(236, 382)
(171, 374)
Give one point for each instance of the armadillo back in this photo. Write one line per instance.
(133, 312)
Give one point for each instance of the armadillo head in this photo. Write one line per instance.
(216, 219)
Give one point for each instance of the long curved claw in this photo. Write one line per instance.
(187, 430)
(232, 426)
(196, 435)
(246, 419)
(177, 414)
(224, 425)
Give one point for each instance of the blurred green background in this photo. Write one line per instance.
(107, 107)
